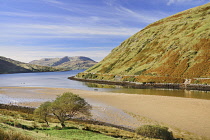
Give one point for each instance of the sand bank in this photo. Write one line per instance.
(184, 113)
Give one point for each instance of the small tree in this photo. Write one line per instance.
(43, 111)
(69, 105)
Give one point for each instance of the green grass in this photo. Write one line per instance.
(13, 128)
(76, 134)
(18, 122)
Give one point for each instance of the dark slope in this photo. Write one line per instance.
(8, 65)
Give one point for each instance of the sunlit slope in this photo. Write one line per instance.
(169, 50)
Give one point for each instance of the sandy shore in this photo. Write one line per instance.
(129, 110)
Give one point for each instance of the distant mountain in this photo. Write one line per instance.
(70, 63)
(167, 51)
(8, 65)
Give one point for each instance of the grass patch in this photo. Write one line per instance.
(12, 121)
(76, 134)
(12, 135)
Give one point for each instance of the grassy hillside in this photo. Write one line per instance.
(169, 50)
(11, 66)
(70, 63)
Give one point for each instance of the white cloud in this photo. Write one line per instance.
(109, 2)
(140, 16)
(64, 19)
(170, 2)
(114, 10)
(77, 20)
(61, 31)
(54, 2)
(177, 1)
(35, 54)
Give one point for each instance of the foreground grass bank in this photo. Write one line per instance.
(22, 125)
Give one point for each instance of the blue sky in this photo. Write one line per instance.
(35, 29)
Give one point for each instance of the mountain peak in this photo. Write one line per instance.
(61, 60)
(81, 58)
(77, 62)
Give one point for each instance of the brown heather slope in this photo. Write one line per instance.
(167, 51)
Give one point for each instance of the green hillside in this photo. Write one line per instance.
(8, 65)
(167, 51)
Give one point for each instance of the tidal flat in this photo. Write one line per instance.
(185, 114)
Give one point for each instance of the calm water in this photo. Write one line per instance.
(44, 79)
(59, 80)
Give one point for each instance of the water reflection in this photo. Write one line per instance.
(59, 80)
(161, 92)
(94, 85)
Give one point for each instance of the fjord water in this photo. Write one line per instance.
(41, 79)
(60, 80)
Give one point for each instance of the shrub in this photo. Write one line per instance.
(140, 72)
(130, 68)
(88, 76)
(17, 108)
(155, 131)
(131, 79)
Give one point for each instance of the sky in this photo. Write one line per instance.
(35, 29)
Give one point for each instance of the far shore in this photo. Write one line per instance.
(131, 110)
(150, 85)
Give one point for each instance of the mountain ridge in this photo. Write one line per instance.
(70, 63)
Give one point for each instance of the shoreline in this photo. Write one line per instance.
(146, 85)
(186, 114)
